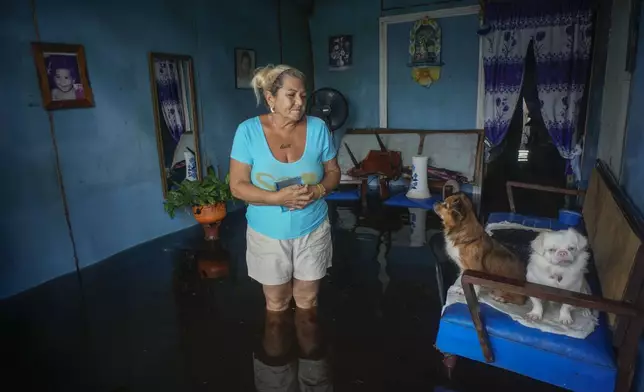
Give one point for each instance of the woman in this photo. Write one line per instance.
(288, 236)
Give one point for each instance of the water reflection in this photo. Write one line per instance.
(292, 357)
(179, 329)
(378, 311)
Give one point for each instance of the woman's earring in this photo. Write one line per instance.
(272, 109)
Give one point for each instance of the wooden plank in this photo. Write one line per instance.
(475, 312)
(551, 294)
(389, 131)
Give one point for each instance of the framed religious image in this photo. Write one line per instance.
(62, 73)
(244, 67)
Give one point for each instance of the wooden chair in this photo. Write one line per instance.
(606, 358)
(514, 184)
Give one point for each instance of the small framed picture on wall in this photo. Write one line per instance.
(62, 74)
(244, 67)
(340, 52)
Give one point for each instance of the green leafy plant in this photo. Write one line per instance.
(210, 190)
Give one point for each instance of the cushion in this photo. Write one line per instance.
(400, 200)
(576, 364)
(346, 195)
(525, 220)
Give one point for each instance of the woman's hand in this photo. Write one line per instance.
(294, 197)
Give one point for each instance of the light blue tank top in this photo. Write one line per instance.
(250, 147)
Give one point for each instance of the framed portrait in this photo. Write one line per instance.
(244, 67)
(340, 52)
(62, 74)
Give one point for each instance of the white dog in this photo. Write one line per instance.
(558, 259)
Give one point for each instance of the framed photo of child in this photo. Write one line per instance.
(62, 74)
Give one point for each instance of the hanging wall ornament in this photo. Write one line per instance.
(425, 51)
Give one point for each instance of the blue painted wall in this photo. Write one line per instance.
(633, 159)
(108, 153)
(296, 43)
(450, 102)
(632, 177)
(596, 90)
(360, 83)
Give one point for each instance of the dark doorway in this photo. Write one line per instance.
(542, 165)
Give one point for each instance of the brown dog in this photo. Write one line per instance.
(471, 248)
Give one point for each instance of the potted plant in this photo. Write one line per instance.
(207, 198)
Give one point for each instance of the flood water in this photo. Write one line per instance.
(148, 320)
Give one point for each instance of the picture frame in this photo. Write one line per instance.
(245, 64)
(62, 75)
(340, 52)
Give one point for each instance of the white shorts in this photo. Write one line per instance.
(275, 262)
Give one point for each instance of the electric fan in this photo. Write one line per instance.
(329, 105)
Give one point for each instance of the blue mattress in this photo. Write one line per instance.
(525, 220)
(400, 200)
(343, 195)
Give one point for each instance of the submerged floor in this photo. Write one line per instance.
(145, 320)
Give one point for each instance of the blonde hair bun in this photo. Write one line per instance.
(267, 78)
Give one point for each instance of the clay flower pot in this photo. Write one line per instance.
(210, 218)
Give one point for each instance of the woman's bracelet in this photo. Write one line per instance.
(322, 190)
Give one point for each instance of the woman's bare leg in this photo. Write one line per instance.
(307, 331)
(305, 293)
(277, 333)
(278, 297)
